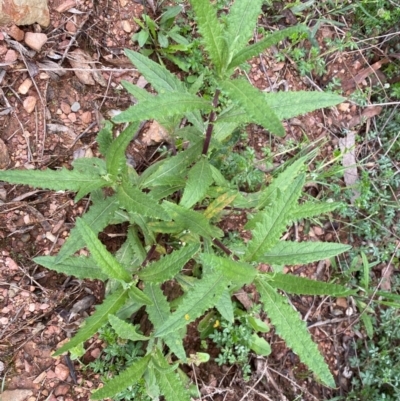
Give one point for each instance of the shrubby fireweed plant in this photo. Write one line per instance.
(176, 205)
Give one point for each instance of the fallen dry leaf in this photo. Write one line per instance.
(81, 61)
(347, 147)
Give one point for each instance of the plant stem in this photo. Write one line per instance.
(210, 126)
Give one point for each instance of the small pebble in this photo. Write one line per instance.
(75, 106)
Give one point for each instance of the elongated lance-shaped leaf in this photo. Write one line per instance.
(284, 104)
(160, 78)
(79, 266)
(136, 201)
(168, 380)
(311, 209)
(191, 220)
(163, 191)
(291, 104)
(139, 296)
(105, 137)
(169, 123)
(225, 306)
(282, 182)
(253, 102)
(169, 266)
(219, 204)
(97, 218)
(115, 159)
(162, 81)
(273, 221)
(272, 39)
(195, 302)
(293, 330)
(211, 30)
(159, 313)
(78, 180)
(136, 244)
(125, 330)
(110, 305)
(238, 272)
(304, 286)
(296, 253)
(164, 105)
(174, 166)
(106, 262)
(241, 21)
(127, 378)
(199, 180)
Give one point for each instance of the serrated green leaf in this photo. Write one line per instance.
(164, 105)
(106, 262)
(136, 244)
(273, 221)
(219, 204)
(105, 137)
(311, 209)
(272, 39)
(160, 78)
(143, 223)
(225, 306)
(168, 266)
(167, 227)
(199, 180)
(237, 272)
(195, 302)
(97, 218)
(127, 378)
(136, 201)
(115, 158)
(282, 182)
(79, 266)
(139, 296)
(110, 305)
(296, 253)
(126, 331)
(291, 104)
(159, 312)
(191, 220)
(293, 330)
(259, 345)
(242, 20)
(170, 384)
(173, 166)
(78, 180)
(254, 104)
(304, 286)
(211, 30)
(163, 191)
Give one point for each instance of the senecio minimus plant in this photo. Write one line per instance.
(179, 200)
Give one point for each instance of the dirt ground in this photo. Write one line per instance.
(50, 111)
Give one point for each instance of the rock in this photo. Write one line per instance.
(62, 389)
(24, 12)
(126, 26)
(15, 395)
(61, 371)
(35, 40)
(11, 55)
(72, 117)
(65, 107)
(16, 33)
(4, 157)
(29, 104)
(75, 106)
(86, 117)
(24, 87)
(70, 27)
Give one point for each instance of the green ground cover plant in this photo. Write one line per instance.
(176, 206)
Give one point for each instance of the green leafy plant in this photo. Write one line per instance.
(175, 207)
(164, 37)
(238, 339)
